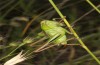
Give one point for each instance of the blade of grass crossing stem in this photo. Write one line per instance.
(93, 6)
(74, 33)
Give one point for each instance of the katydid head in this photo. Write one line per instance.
(47, 24)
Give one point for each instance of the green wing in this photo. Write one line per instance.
(61, 39)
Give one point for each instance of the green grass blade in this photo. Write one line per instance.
(93, 6)
(74, 33)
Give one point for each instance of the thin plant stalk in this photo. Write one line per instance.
(12, 52)
(81, 17)
(25, 41)
(9, 3)
(47, 43)
(93, 6)
(9, 10)
(74, 33)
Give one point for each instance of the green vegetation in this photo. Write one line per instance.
(23, 26)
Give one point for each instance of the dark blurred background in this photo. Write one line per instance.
(16, 15)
